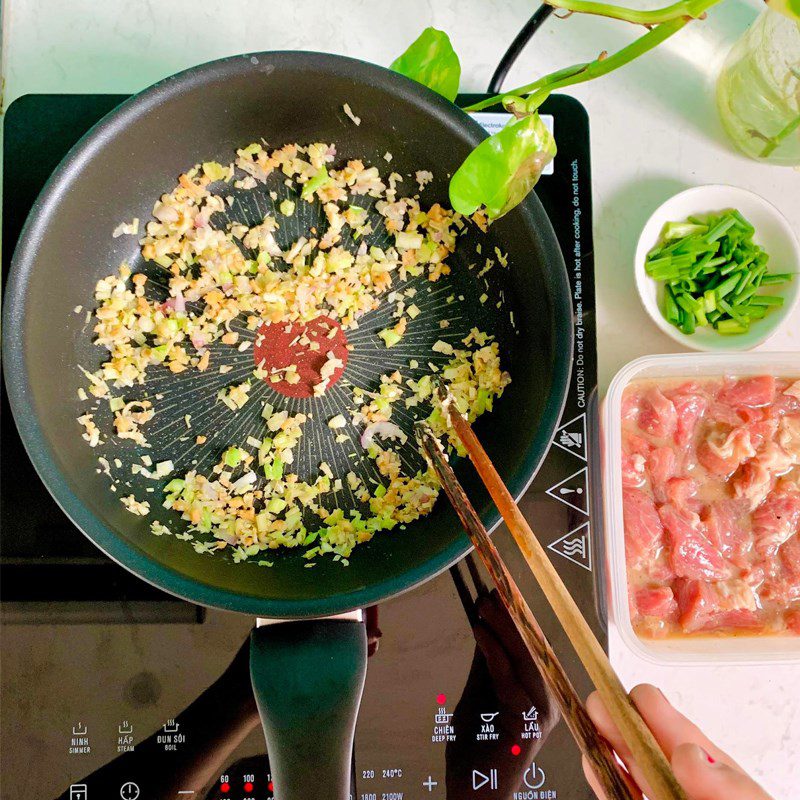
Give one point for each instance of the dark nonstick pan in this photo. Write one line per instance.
(307, 674)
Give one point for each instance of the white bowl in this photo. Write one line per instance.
(772, 232)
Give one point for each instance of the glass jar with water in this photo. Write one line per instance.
(758, 90)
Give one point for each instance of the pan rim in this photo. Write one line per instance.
(18, 384)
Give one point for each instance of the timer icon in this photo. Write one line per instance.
(129, 791)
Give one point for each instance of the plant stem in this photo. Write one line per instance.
(774, 141)
(683, 8)
(579, 73)
(594, 69)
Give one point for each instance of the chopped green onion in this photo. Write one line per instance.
(727, 286)
(776, 277)
(679, 230)
(688, 326)
(742, 223)
(670, 306)
(712, 270)
(732, 312)
(744, 282)
(766, 300)
(730, 326)
(745, 295)
(727, 222)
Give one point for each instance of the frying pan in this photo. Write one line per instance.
(307, 674)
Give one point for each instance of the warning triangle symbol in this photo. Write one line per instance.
(573, 491)
(571, 436)
(575, 546)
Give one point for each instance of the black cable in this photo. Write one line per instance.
(517, 46)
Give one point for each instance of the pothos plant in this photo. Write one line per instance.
(502, 169)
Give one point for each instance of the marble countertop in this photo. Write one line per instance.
(654, 132)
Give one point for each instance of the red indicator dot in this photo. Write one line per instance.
(515, 749)
(248, 787)
(441, 699)
(225, 788)
(270, 787)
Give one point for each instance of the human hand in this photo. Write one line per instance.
(703, 770)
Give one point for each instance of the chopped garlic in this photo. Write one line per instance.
(347, 110)
(423, 178)
(127, 228)
(141, 509)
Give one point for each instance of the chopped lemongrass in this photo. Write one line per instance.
(315, 183)
(232, 457)
(222, 280)
(408, 241)
(391, 336)
(163, 468)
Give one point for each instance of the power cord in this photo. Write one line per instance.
(517, 46)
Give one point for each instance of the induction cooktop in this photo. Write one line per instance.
(112, 689)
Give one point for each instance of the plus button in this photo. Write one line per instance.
(430, 783)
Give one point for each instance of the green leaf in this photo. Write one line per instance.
(501, 170)
(431, 61)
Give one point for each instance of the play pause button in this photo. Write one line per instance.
(481, 779)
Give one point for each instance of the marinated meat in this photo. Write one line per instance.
(657, 414)
(711, 500)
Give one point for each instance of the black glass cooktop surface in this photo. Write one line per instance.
(113, 689)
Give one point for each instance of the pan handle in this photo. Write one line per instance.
(308, 677)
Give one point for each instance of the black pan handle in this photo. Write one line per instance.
(308, 677)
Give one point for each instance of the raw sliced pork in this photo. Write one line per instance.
(711, 500)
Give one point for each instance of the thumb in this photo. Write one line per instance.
(705, 779)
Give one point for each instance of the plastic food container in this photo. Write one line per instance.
(695, 650)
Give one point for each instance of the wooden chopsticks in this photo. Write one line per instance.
(614, 780)
(643, 746)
